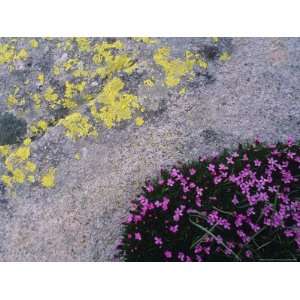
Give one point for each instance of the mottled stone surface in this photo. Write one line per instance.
(255, 93)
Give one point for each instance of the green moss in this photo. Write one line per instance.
(12, 129)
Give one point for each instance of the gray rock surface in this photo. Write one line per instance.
(255, 93)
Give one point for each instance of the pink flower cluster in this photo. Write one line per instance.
(227, 205)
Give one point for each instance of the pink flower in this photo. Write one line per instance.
(291, 155)
(289, 233)
(149, 188)
(174, 228)
(257, 163)
(245, 157)
(165, 203)
(174, 172)
(158, 240)
(170, 182)
(168, 254)
(192, 171)
(138, 236)
(129, 218)
(181, 256)
(290, 141)
(222, 167)
(178, 213)
(199, 191)
(211, 168)
(235, 200)
(235, 154)
(229, 160)
(248, 253)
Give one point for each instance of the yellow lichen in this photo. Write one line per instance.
(115, 64)
(56, 70)
(37, 101)
(201, 62)
(22, 54)
(177, 68)
(22, 153)
(7, 180)
(112, 63)
(39, 127)
(31, 178)
(41, 78)
(34, 43)
(77, 126)
(149, 82)
(51, 97)
(18, 176)
(7, 53)
(81, 73)
(77, 156)
(101, 50)
(182, 91)
(4, 150)
(11, 100)
(215, 40)
(139, 121)
(71, 90)
(43, 125)
(83, 44)
(117, 106)
(146, 40)
(30, 166)
(69, 64)
(48, 179)
(225, 56)
(68, 44)
(174, 69)
(27, 141)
